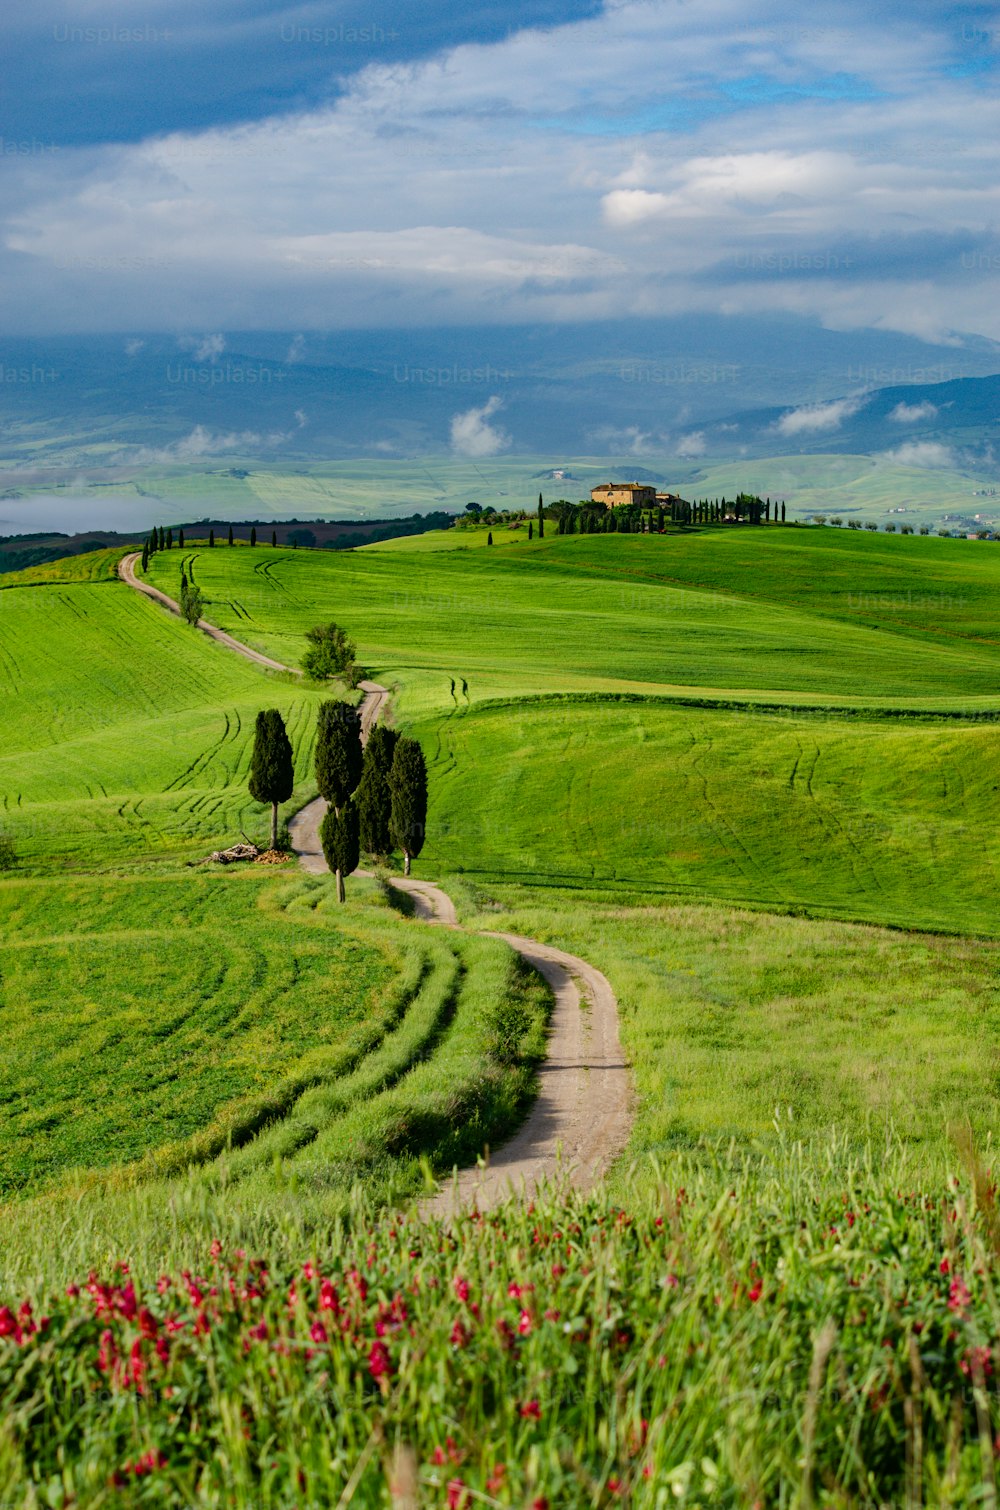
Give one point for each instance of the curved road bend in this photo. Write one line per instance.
(581, 1118)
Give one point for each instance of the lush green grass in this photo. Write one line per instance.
(125, 732)
(137, 1013)
(586, 613)
(886, 820)
(733, 1021)
(794, 1331)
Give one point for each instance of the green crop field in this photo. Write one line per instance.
(750, 776)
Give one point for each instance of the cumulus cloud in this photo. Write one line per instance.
(204, 348)
(921, 453)
(295, 350)
(201, 442)
(912, 414)
(813, 419)
(133, 347)
(691, 445)
(473, 435)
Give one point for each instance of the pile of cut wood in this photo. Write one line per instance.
(235, 852)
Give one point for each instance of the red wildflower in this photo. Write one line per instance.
(458, 1495)
(8, 1324)
(72, 1291)
(216, 1249)
(328, 1300)
(461, 1287)
(756, 1292)
(308, 1270)
(107, 1354)
(945, 1266)
(514, 1290)
(358, 1284)
(531, 1410)
(318, 1332)
(958, 1296)
(524, 1323)
(137, 1366)
(163, 1284)
(978, 1360)
(496, 1478)
(459, 1335)
(379, 1362)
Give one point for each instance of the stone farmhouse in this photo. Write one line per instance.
(614, 494)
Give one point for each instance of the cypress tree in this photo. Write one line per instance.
(274, 537)
(373, 800)
(170, 540)
(339, 754)
(541, 519)
(531, 529)
(782, 513)
(145, 555)
(408, 799)
(489, 538)
(211, 539)
(230, 534)
(180, 538)
(163, 539)
(272, 773)
(339, 836)
(253, 535)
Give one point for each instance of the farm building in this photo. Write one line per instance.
(614, 494)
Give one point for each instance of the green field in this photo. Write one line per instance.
(748, 775)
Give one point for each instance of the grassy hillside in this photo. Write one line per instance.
(885, 820)
(594, 613)
(125, 732)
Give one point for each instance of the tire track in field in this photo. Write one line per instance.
(582, 1115)
(126, 571)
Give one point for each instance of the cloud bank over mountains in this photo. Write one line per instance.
(636, 160)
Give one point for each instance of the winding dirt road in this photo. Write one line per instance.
(581, 1118)
(126, 570)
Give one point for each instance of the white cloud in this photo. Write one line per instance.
(815, 418)
(295, 350)
(691, 445)
(921, 453)
(204, 348)
(201, 442)
(911, 414)
(473, 435)
(133, 347)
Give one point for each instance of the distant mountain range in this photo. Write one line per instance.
(686, 388)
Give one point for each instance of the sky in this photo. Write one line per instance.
(205, 166)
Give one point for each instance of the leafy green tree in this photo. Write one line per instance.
(339, 836)
(192, 603)
(339, 753)
(272, 772)
(408, 800)
(373, 797)
(330, 652)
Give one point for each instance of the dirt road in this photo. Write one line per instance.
(581, 1117)
(126, 570)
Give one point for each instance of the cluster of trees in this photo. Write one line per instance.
(331, 652)
(377, 793)
(590, 518)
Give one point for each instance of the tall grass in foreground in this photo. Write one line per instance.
(793, 1328)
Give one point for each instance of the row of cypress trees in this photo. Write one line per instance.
(377, 793)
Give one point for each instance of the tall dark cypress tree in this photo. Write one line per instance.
(489, 538)
(274, 537)
(373, 799)
(531, 528)
(230, 534)
(541, 519)
(180, 538)
(339, 836)
(782, 513)
(163, 539)
(211, 539)
(408, 798)
(145, 554)
(253, 535)
(170, 540)
(272, 772)
(339, 754)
